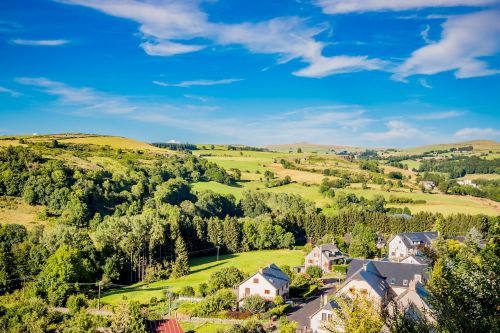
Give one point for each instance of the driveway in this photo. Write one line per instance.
(304, 310)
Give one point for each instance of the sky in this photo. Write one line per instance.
(372, 73)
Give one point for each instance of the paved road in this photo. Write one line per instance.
(302, 312)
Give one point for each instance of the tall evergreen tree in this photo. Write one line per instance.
(232, 234)
(181, 265)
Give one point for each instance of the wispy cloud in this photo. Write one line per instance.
(11, 92)
(203, 99)
(180, 26)
(465, 41)
(478, 133)
(439, 115)
(197, 83)
(40, 42)
(425, 34)
(399, 133)
(423, 82)
(350, 6)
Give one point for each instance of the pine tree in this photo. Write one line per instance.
(181, 265)
(232, 234)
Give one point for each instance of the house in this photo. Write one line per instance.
(325, 314)
(413, 302)
(385, 282)
(381, 281)
(324, 256)
(268, 283)
(427, 184)
(409, 243)
(466, 182)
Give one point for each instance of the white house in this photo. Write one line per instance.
(409, 243)
(268, 282)
(427, 184)
(324, 256)
(466, 182)
(382, 282)
(323, 317)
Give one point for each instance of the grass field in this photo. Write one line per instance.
(15, 210)
(200, 271)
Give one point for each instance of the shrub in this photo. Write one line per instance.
(226, 277)
(254, 304)
(203, 289)
(75, 303)
(222, 300)
(314, 271)
(187, 291)
(281, 310)
(278, 300)
(313, 289)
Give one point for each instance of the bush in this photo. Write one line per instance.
(254, 304)
(223, 299)
(314, 271)
(227, 277)
(313, 289)
(76, 302)
(203, 289)
(281, 310)
(187, 291)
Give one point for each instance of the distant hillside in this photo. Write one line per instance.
(479, 146)
(115, 142)
(309, 147)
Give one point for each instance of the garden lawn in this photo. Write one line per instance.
(200, 271)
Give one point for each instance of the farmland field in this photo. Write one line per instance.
(200, 271)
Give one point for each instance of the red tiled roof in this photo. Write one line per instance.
(165, 326)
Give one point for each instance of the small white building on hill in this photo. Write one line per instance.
(268, 282)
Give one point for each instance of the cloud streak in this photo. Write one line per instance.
(360, 6)
(179, 26)
(11, 92)
(465, 40)
(40, 42)
(477, 133)
(185, 84)
(439, 115)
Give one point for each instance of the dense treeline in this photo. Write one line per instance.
(460, 166)
(174, 145)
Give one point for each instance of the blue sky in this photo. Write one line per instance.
(353, 72)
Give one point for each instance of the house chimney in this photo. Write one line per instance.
(365, 266)
(418, 278)
(412, 285)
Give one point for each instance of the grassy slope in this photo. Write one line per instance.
(15, 210)
(203, 328)
(202, 268)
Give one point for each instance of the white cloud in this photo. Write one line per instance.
(173, 27)
(425, 34)
(197, 83)
(464, 42)
(477, 133)
(424, 83)
(398, 133)
(350, 6)
(11, 92)
(40, 42)
(197, 97)
(439, 115)
(325, 66)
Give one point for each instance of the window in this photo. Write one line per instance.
(255, 280)
(323, 316)
(364, 291)
(393, 280)
(352, 290)
(405, 282)
(247, 291)
(310, 261)
(277, 292)
(267, 292)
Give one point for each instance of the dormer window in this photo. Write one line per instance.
(393, 280)
(405, 283)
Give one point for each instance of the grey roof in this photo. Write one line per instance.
(392, 273)
(274, 275)
(412, 239)
(420, 259)
(371, 275)
(331, 305)
(330, 250)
